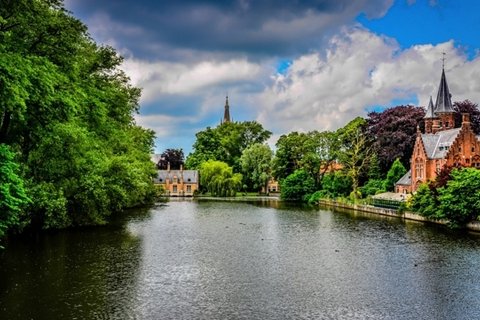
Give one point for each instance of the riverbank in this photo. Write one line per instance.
(407, 215)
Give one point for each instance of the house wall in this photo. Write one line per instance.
(177, 187)
(464, 151)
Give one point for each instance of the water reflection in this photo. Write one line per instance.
(240, 260)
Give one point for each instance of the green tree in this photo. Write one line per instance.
(394, 174)
(297, 186)
(291, 150)
(355, 152)
(321, 151)
(68, 109)
(13, 197)
(425, 202)
(256, 165)
(226, 143)
(460, 199)
(218, 178)
(336, 184)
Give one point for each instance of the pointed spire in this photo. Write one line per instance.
(226, 113)
(444, 98)
(430, 114)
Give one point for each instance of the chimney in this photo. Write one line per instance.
(168, 166)
(181, 167)
(465, 118)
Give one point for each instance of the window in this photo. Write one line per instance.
(459, 149)
(189, 188)
(473, 149)
(175, 189)
(446, 124)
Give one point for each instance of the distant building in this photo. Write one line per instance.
(442, 144)
(273, 186)
(226, 112)
(176, 183)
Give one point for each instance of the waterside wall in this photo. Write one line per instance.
(472, 226)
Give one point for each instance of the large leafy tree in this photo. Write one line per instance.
(226, 143)
(256, 165)
(355, 152)
(218, 178)
(68, 109)
(471, 108)
(174, 157)
(291, 151)
(393, 132)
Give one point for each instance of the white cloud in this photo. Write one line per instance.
(359, 69)
(170, 78)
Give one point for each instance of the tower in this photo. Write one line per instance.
(429, 117)
(226, 112)
(443, 106)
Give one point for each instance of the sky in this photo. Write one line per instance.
(291, 65)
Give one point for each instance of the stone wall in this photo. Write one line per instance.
(472, 226)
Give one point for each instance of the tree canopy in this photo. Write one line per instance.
(226, 143)
(393, 132)
(67, 110)
(172, 157)
(256, 163)
(218, 179)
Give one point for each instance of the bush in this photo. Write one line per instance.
(297, 186)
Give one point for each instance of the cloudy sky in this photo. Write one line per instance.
(291, 65)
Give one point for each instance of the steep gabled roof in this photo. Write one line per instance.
(406, 179)
(430, 114)
(444, 100)
(436, 145)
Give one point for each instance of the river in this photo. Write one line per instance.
(239, 260)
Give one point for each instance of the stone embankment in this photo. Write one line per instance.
(472, 226)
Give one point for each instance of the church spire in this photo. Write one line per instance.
(430, 114)
(444, 98)
(226, 113)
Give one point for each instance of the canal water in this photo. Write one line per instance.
(238, 260)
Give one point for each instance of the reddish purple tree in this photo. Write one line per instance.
(174, 157)
(393, 131)
(467, 106)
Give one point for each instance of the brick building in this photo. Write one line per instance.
(178, 183)
(442, 144)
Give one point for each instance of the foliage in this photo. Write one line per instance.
(218, 179)
(393, 131)
(13, 197)
(174, 157)
(458, 201)
(372, 187)
(256, 162)
(336, 184)
(467, 106)
(289, 154)
(356, 151)
(394, 174)
(67, 108)
(374, 170)
(297, 186)
(313, 152)
(226, 143)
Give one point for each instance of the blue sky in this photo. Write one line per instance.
(292, 66)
